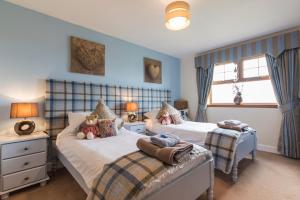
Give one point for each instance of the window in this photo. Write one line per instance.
(225, 72)
(252, 79)
(256, 67)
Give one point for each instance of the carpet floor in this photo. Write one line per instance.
(270, 177)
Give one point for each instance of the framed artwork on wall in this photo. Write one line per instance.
(87, 57)
(152, 71)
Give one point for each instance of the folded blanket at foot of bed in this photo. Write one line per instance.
(137, 175)
(165, 140)
(233, 126)
(232, 122)
(170, 155)
(223, 143)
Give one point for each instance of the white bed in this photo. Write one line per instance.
(190, 131)
(85, 159)
(195, 132)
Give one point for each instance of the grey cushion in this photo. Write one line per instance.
(167, 107)
(104, 112)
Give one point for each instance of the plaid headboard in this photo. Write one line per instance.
(69, 96)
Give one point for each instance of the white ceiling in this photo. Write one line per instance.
(214, 23)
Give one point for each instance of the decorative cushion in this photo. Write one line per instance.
(184, 114)
(167, 107)
(75, 117)
(152, 114)
(104, 112)
(119, 122)
(107, 128)
(176, 119)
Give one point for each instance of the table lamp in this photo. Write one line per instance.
(24, 110)
(131, 108)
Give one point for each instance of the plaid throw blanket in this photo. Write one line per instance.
(129, 175)
(222, 143)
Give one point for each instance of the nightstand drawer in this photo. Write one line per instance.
(22, 163)
(23, 148)
(23, 178)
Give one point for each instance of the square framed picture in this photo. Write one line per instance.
(87, 57)
(152, 71)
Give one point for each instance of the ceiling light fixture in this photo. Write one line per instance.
(177, 15)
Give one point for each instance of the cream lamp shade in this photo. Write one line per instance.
(177, 15)
(131, 107)
(24, 110)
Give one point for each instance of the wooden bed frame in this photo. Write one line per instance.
(188, 186)
(245, 147)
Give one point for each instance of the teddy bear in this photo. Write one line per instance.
(165, 118)
(89, 129)
(91, 119)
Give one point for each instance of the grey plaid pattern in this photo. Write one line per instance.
(222, 143)
(69, 96)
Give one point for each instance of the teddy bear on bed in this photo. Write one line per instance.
(165, 118)
(89, 129)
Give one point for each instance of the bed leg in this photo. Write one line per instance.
(210, 190)
(253, 155)
(235, 171)
(5, 196)
(210, 194)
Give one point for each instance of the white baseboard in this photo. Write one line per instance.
(267, 148)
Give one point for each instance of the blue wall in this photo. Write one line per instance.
(35, 47)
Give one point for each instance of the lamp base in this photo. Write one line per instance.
(132, 117)
(24, 127)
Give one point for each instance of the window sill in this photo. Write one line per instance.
(246, 105)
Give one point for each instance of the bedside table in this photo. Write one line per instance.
(23, 161)
(138, 127)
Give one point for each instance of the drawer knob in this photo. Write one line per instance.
(26, 148)
(26, 178)
(26, 163)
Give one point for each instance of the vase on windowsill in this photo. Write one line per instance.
(237, 90)
(238, 98)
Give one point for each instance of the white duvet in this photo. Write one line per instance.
(89, 156)
(194, 132)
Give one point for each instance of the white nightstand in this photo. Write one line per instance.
(23, 161)
(138, 127)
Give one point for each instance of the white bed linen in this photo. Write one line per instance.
(89, 156)
(194, 132)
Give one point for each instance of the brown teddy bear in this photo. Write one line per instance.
(165, 118)
(89, 129)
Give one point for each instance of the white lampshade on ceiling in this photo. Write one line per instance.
(177, 15)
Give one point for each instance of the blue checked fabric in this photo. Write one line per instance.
(69, 96)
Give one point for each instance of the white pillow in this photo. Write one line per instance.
(152, 114)
(76, 118)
